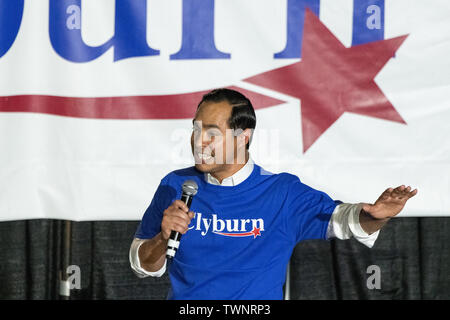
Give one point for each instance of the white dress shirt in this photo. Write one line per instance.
(344, 222)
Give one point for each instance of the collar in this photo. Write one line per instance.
(238, 177)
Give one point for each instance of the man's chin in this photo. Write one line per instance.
(204, 167)
(207, 167)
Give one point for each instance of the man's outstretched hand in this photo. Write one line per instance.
(390, 203)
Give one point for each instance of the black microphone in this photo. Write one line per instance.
(189, 190)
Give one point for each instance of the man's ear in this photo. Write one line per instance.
(243, 136)
(248, 134)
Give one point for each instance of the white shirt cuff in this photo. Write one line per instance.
(344, 224)
(358, 232)
(136, 263)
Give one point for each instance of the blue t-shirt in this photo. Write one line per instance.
(241, 238)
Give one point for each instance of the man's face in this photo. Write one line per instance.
(214, 145)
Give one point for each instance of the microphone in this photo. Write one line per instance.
(189, 190)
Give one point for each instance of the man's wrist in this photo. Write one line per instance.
(151, 250)
(369, 223)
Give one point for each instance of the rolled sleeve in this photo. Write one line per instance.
(344, 224)
(136, 264)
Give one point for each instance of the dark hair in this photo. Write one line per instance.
(242, 114)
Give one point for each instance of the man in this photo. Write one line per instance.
(244, 222)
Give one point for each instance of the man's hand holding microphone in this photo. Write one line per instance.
(175, 222)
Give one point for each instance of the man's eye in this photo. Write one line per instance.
(214, 133)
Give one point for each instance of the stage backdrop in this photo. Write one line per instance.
(97, 97)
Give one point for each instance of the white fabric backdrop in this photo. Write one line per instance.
(61, 167)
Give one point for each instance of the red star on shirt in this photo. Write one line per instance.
(331, 79)
(256, 232)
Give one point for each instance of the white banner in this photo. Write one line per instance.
(97, 97)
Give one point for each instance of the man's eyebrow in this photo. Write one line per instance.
(206, 125)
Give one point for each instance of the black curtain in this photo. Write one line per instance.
(413, 255)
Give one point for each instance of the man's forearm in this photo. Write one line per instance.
(369, 223)
(152, 253)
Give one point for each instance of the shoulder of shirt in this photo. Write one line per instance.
(297, 187)
(292, 184)
(282, 177)
(182, 175)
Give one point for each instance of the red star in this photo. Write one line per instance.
(256, 232)
(331, 79)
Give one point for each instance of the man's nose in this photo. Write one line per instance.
(200, 141)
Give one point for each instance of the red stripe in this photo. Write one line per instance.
(176, 106)
(246, 234)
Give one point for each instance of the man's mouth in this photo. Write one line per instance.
(204, 156)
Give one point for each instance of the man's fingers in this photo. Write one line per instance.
(181, 215)
(399, 189)
(402, 192)
(180, 205)
(407, 192)
(177, 224)
(179, 228)
(179, 220)
(177, 217)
